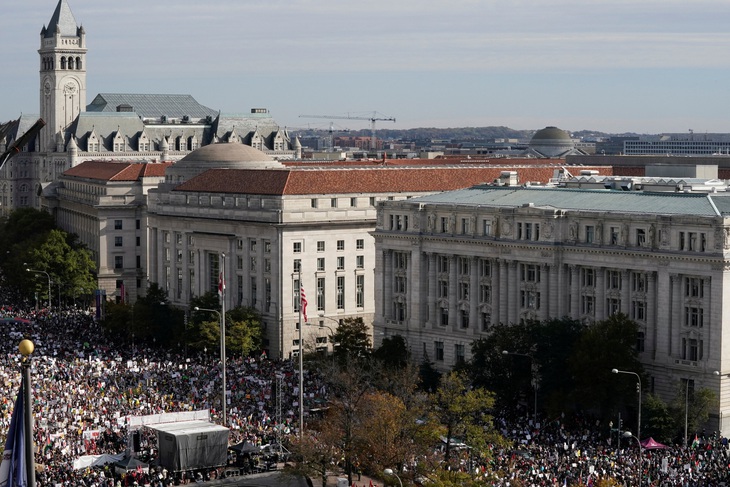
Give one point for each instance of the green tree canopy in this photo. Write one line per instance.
(604, 346)
(353, 340)
(393, 352)
(68, 266)
(463, 412)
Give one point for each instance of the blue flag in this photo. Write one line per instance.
(13, 472)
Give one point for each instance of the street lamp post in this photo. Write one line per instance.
(638, 387)
(221, 318)
(533, 372)
(389, 471)
(49, 282)
(686, 407)
(332, 332)
(26, 348)
(627, 434)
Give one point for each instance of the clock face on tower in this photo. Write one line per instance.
(70, 88)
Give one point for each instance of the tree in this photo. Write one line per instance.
(429, 377)
(243, 334)
(698, 404)
(603, 346)
(388, 433)
(393, 352)
(118, 320)
(463, 412)
(155, 320)
(243, 329)
(194, 335)
(353, 339)
(314, 452)
(488, 367)
(555, 340)
(659, 423)
(348, 384)
(70, 268)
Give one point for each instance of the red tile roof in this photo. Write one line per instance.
(380, 179)
(117, 171)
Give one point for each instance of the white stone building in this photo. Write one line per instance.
(475, 257)
(281, 226)
(105, 204)
(114, 126)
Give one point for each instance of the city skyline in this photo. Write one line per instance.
(621, 66)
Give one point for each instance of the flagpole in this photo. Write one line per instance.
(26, 347)
(301, 364)
(223, 333)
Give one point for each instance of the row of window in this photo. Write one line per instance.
(438, 352)
(253, 245)
(592, 234)
(297, 247)
(119, 224)
(70, 62)
(336, 202)
(340, 293)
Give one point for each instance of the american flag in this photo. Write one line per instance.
(221, 284)
(303, 302)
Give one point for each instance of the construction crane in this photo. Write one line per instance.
(331, 130)
(373, 118)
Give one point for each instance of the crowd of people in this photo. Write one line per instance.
(86, 387)
(577, 451)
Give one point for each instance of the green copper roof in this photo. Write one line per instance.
(701, 204)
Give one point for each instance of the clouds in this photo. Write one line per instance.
(240, 53)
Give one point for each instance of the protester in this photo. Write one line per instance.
(86, 387)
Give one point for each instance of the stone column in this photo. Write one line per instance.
(625, 292)
(387, 284)
(432, 290)
(676, 315)
(513, 288)
(649, 315)
(545, 277)
(154, 255)
(662, 321)
(574, 292)
(416, 305)
(453, 293)
(600, 293)
(474, 296)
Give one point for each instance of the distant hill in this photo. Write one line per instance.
(461, 134)
(465, 133)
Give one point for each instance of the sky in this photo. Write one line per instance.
(606, 65)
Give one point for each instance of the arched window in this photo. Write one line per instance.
(78, 63)
(63, 62)
(70, 63)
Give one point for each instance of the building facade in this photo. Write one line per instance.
(105, 204)
(275, 227)
(114, 126)
(476, 257)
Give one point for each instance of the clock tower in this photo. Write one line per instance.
(62, 76)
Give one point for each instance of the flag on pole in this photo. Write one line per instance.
(221, 284)
(695, 442)
(13, 472)
(303, 302)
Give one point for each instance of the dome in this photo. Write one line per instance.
(222, 155)
(230, 155)
(551, 142)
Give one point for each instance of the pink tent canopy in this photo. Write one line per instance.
(651, 444)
